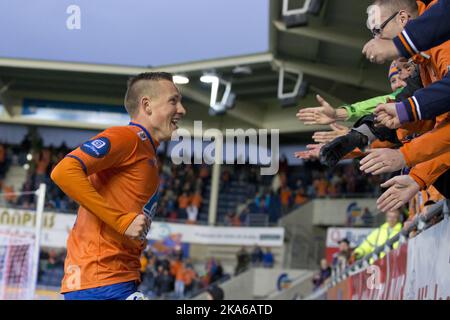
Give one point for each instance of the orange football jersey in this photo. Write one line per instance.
(122, 167)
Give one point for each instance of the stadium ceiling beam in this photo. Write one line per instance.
(123, 70)
(242, 111)
(340, 74)
(327, 96)
(326, 34)
(5, 98)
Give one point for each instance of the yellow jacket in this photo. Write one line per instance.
(376, 238)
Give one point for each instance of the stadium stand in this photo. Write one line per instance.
(246, 198)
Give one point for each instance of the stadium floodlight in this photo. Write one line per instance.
(214, 81)
(300, 88)
(294, 93)
(295, 17)
(228, 98)
(180, 79)
(298, 17)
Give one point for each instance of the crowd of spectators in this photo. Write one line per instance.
(163, 276)
(184, 188)
(173, 276)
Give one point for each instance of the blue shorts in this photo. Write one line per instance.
(118, 291)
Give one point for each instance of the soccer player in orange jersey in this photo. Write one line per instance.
(115, 179)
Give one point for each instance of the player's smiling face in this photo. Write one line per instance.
(167, 110)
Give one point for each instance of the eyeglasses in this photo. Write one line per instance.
(377, 31)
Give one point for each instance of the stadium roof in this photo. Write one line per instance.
(327, 51)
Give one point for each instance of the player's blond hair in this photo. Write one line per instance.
(142, 84)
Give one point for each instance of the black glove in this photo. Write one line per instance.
(334, 151)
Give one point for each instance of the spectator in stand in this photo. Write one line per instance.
(163, 282)
(197, 199)
(144, 264)
(225, 181)
(379, 236)
(321, 186)
(215, 293)
(236, 218)
(283, 180)
(210, 267)
(243, 260)
(259, 205)
(3, 162)
(300, 197)
(243, 217)
(350, 179)
(190, 277)
(268, 259)
(284, 166)
(192, 212)
(367, 217)
(9, 195)
(285, 196)
(183, 203)
(332, 190)
(267, 202)
(228, 219)
(218, 272)
(324, 274)
(336, 183)
(276, 183)
(42, 166)
(180, 281)
(257, 256)
(342, 257)
(204, 172)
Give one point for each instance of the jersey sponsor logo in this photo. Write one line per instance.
(97, 148)
(142, 135)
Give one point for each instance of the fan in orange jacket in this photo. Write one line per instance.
(433, 67)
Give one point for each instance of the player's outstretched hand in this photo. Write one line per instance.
(401, 190)
(325, 114)
(327, 136)
(139, 228)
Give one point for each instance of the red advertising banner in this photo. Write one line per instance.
(341, 291)
(383, 280)
(417, 270)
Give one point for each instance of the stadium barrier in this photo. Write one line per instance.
(417, 269)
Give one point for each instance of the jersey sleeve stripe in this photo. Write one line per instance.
(81, 161)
